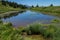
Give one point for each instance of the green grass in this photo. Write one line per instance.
(8, 11)
(34, 31)
(34, 37)
(54, 10)
(50, 31)
(8, 32)
(7, 8)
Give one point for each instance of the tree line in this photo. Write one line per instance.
(38, 5)
(12, 4)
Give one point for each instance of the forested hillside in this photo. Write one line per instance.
(6, 6)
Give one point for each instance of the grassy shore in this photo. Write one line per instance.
(10, 13)
(54, 10)
(48, 31)
(31, 32)
(7, 11)
(8, 32)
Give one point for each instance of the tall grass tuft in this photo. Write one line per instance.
(8, 32)
(47, 31)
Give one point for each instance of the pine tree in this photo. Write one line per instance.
(37, 5)
(51, 5)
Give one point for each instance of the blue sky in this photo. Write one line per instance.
(39, 2)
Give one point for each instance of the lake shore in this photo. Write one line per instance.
(9, 13)
(54, 10)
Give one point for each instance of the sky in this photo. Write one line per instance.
(39, 2)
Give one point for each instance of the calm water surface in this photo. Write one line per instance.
(28, 17)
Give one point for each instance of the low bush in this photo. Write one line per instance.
(33, 29)
(48, 31)
(1, 21)
(56, 21)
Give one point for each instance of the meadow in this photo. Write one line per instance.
(51, 10)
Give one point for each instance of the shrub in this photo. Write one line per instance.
(57, 35)
(49, 31)
(56, 21)
(1, 21)
(46, 31)
(8, 24)
(33, 29)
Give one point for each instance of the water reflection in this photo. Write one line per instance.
(11, 15)
(28, 17)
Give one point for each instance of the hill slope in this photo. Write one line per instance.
(7, 8)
